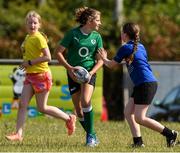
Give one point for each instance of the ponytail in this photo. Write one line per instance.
(132, 30)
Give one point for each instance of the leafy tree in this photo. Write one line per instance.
(159, 22)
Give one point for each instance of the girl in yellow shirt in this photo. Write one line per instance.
(38, 80)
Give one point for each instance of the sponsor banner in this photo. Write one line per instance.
(11, 84)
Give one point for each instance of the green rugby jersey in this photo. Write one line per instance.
(82, 48)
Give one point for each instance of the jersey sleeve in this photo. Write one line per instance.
(42, 42)
(122, 53)
(67, 39)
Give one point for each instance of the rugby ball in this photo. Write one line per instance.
(82, 75)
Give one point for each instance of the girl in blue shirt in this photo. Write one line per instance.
(145, 85)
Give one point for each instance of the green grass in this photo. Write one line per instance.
(44, 134)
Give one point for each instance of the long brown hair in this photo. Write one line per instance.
(132, 30)
(83, 14)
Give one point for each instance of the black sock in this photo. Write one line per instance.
(167, 132)
(137, 140)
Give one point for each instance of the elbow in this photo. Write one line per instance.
(58, 53)
(48, 58)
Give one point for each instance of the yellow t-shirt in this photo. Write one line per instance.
(33, 44)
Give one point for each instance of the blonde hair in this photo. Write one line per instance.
(84, 14)
(31, 14)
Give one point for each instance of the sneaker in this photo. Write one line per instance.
(138, 145)
(14, 137)
(71, 124)
(91, 140)
(171, 141)
(97, 140)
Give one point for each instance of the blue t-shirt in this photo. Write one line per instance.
(139, 70)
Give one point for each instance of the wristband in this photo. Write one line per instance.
(29, 62)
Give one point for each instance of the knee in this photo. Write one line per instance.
(85, 102)
(42, 109)
(79, 113)
(139, 119)
(127, 114)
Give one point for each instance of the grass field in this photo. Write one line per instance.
(44, 134)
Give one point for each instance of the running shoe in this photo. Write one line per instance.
(171, 141)
(96, 138)
(14, 137)
(91, 140)
(71, 124)
(138, 145)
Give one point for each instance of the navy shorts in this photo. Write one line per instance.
(74, 86)
(144, 93)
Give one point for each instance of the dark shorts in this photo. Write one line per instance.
(74, 86)
(143, 94)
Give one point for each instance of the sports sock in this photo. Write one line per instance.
(89, 119)
(82, 122)
(167, 132)
(137, 140)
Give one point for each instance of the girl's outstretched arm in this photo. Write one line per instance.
(103, 55)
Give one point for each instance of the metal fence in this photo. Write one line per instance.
(167, 74)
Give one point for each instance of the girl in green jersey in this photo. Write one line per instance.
(82, 43)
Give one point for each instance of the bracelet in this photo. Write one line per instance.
(29, 62)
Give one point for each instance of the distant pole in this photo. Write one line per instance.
(119, 21)
(41, 2)
(119, 12)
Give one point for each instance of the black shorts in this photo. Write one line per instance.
(143, 94)
(74, 86)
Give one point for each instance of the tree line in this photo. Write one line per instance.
(159, 21)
